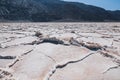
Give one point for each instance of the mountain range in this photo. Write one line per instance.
(53, 10)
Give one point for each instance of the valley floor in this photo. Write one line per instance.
(59, 51)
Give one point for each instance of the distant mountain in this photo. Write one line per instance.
(53, 10)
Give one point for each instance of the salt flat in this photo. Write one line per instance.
(59, 51)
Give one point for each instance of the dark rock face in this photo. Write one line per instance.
(53, 10)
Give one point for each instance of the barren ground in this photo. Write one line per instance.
(59, 51)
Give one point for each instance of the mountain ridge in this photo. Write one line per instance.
(54, 10)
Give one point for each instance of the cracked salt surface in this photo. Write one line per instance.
(86, 53)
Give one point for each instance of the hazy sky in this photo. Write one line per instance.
(107, 4)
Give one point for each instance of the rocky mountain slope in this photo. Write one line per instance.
(59, 51)
(53, 10)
